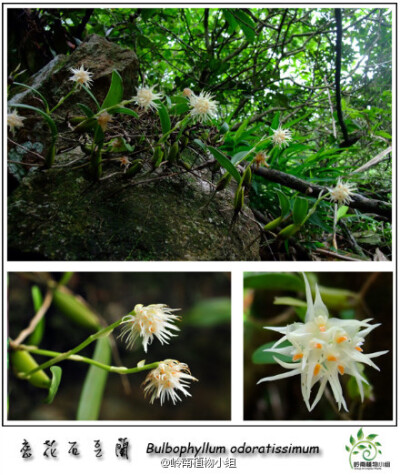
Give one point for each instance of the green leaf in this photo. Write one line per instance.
(360, 434)
(273, 281)
(238, 156)
(230, 19)
(35, 91)
(347, 448)
(361, 446)
(115, 92)
(246, 24)
(224, 128)
(56, 372)
(284, 203)
(209, 312)
(341, 212)
(124, 110)
(225, 163)
(164, 118)
(273, 224)
(289, 231)
(36, 336)
(267, 357)
(299, 119)
(95, 381)
(65, 278)
(91, 95)
(372, 436)
(300, 209)
(50, 122)
(86, 110)
(289, 301)
(352, 440)
(179, 109)
(384, 134)
(200, 144)
(240, 131)
(276, 121)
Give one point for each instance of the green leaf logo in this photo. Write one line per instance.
(364, 447)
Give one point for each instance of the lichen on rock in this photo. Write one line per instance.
(58, 214)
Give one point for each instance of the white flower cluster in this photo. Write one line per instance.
(147, 323)
(203, 106)
(81, 76)
(145, 98)
(342, 192)
(169, 377)
(322, 349)
(281, 137)
(14, 121)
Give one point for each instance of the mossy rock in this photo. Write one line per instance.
(58, 214)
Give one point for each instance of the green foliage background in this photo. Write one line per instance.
(265, 66)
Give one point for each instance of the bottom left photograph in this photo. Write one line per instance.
(121, 346)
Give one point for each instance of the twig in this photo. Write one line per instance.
(36, 154)
(336, 255)
(374, 161)
(35, 320)
(331, 108)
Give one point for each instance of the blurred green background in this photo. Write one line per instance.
(204, 343)
(363, 295)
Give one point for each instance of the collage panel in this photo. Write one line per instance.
(136, 141)
(318, 346)
(77, 342)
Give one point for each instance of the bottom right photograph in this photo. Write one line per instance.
(318, 346)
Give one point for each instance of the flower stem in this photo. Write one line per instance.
(182, 123)
(63, 99)
(84, 359)
(313, 208)
(63, 356)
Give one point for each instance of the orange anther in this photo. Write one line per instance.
(358, 348)
(317, 367)
(298, 356)
(341, 369)
(322, 328)
(341, 339)
(318, 345)
(331, 358)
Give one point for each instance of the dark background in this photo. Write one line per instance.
(282, 399)
(205, 348)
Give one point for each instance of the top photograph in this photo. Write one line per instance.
(199, 134)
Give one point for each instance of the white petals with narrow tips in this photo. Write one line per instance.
(147, 323)
(145, 98)
(342, 192)
(323, 349)
(203, 106)
(281, 137)
(14, 121)
(169, 377)
(81, 76)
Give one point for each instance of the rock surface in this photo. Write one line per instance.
(97, 55)
(59, 215)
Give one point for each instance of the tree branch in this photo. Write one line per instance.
(339, 33)
(365, 205)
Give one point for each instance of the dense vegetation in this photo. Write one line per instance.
(322, 76)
